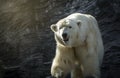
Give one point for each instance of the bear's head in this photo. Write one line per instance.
(66, 32)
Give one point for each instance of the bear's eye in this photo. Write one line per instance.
(70, 26)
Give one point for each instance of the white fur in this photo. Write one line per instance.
(83, 53)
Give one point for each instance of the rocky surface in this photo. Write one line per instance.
(27, 45)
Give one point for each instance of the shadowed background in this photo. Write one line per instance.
(27, 45)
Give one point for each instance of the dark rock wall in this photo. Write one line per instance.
(27, 44)
(109, 22)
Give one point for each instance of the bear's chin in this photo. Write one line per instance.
(67, 43)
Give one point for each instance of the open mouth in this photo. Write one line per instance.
(65, 39)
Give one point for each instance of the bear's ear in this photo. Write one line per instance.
(79, 23)
(53, 27)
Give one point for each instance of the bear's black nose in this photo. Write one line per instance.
(64, 35)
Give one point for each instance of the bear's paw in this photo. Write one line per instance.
(57, 72)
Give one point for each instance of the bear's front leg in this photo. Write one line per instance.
(59, 67)
(63, 62)
(91, 67)
(89, 62)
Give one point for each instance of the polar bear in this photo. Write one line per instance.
(79, 47)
